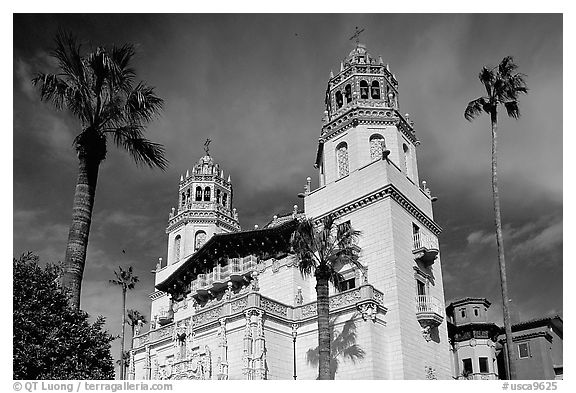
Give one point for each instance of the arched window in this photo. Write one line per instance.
(375, 90)
(407, 160)
(198, 193)
(363, 89)
(199, 240)
(339, 101)
(217, 196)
(187, 195)
(183, 199)
(207, 194)
(224, 199)
(348, 93)
(376, 147)
(342, 159)
(177, 248)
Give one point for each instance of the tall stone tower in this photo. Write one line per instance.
(368, 176)
(204, 208)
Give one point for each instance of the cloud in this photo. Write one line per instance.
(480, 237)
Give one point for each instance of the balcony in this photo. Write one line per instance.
(165, 317)
(425, 247)
(217, 279)
(429, 313)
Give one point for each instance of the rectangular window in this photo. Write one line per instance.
(467, 366)
(420, 288)
(483, 365)
(524, 350)
(347, 284)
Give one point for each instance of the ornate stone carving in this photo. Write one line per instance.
(426, 332)
(345, 299)
(273, 307)
(254, 285)
(222, 362)
(309, 310)
(430, 372)
(368, 310)
(275, 265)
(207, 316)
(298, 298)
(239, 305)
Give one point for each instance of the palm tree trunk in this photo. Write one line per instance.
(500, 244)
(79, 229)
(323, 310)
(122, 335)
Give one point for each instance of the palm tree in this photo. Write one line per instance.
(323, 249)
(98, 88)
(127, 280)
(503, 87)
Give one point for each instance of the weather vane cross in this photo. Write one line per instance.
(356, 35)
(207, 146)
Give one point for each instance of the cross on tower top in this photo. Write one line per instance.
(207, 146)
(356, 35)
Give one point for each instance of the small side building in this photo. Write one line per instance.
(473, 339)
(478, 346)
(537, 349)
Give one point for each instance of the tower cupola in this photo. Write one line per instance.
(205, 207)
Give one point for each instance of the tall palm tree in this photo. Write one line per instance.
(322, 249)
(127, 281)
(503, 86)
(98, 88)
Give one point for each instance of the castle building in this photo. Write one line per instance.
(232, 304)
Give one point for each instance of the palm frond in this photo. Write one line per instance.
(122, 57)
(507, 67)
(68, 55)
(476, 107)
(143, 151)
(142, 104)
(52, 88)
(512, 109)
(487, 77)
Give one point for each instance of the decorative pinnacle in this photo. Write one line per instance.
(331, 74)
(187, 174)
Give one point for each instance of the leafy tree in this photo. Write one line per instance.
(127, 281)
(342, 346)
(51, 340)
(503, 87)
(98, 88)
(323, 249)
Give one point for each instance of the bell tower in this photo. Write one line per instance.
(205, 207)
(368, 176)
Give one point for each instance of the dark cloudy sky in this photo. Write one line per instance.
(255, 84)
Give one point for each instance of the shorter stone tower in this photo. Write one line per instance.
(473, 339)
(204, 209)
